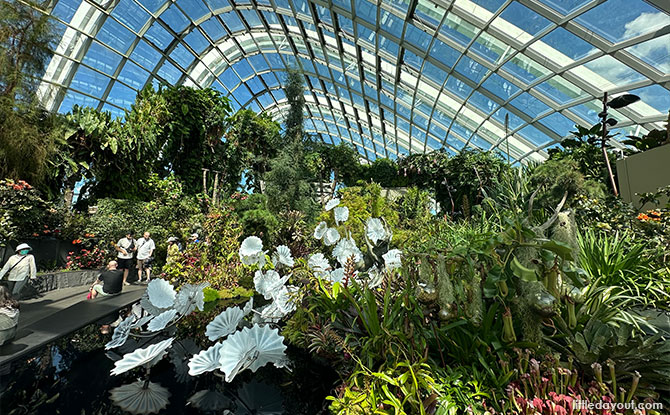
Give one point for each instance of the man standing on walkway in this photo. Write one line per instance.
(145, 251)
(125, 248)
(19, 266)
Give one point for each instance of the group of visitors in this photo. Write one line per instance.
(142, 250)
(131, 253)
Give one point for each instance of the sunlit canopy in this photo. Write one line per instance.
(392, 77)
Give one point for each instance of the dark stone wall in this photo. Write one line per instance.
(58, 280)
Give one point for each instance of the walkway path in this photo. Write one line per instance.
(58, 313)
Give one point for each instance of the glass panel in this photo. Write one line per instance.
(89, 81)
(214, 29)
(524, 18)
(619, 20)
(607, 72)
(564, 6)
(158, 35)
(471, 69)
(182, 56)
(102, 58)
(115, 36)
(174, 19)
(500, 86)
(196, 41)
(121, 95)
(445, 54)
(490, 47)
(170, 73)
(559, 90)
(129, 13)
(195, 9)
(133, 75)
(525, 69)
(529, 105)
(568, 44)
(145, 55)
(655, 52)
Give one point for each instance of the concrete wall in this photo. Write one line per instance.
(642, 173)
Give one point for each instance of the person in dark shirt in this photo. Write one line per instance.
(109, 282)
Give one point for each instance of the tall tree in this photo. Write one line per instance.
(252, 140)
(193, 135)
(26, 139)
(288, 186)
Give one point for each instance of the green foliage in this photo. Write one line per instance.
(287, 186)
(294, 124)
(652, 139)
(414, 205)
(558, 176)
(252, 140)
(364, 202)
(254, 216)
(459, 182)
(26, 35)
(385, 172)
(196, 123)
(216, 260)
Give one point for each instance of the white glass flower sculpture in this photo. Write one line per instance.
(210, 400)
(320, 230)
(251, 251)
(161, 293)
(341, 214)
(346, 249)
(140, 397)
(268, 282)
(258, 259)
(248, 307)
(147, 356)
(375, 277)
(162, 320)
(250, 348)
(331, 237)
(332, 203)
(149, 307)
(121, 333)
(336, 275)
(140, 322)
(251, 245)
(205, 361)
(283, 299)
(269, 313)
(392, 259)
(224, 324)
(191, 297)
(374, 229)
(284, 256)
(319, 264)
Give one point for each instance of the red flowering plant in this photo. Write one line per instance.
(24, 213)
(86, 259)
(547, 387)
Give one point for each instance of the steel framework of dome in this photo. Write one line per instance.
(393, 77)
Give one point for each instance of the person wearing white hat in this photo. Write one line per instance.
(18, 268)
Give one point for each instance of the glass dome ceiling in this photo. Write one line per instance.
(392, 77)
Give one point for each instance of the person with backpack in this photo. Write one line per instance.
(125, 248)
(18, 268)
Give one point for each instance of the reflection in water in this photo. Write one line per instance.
(141, 397)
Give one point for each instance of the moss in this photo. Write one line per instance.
(565, 231)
